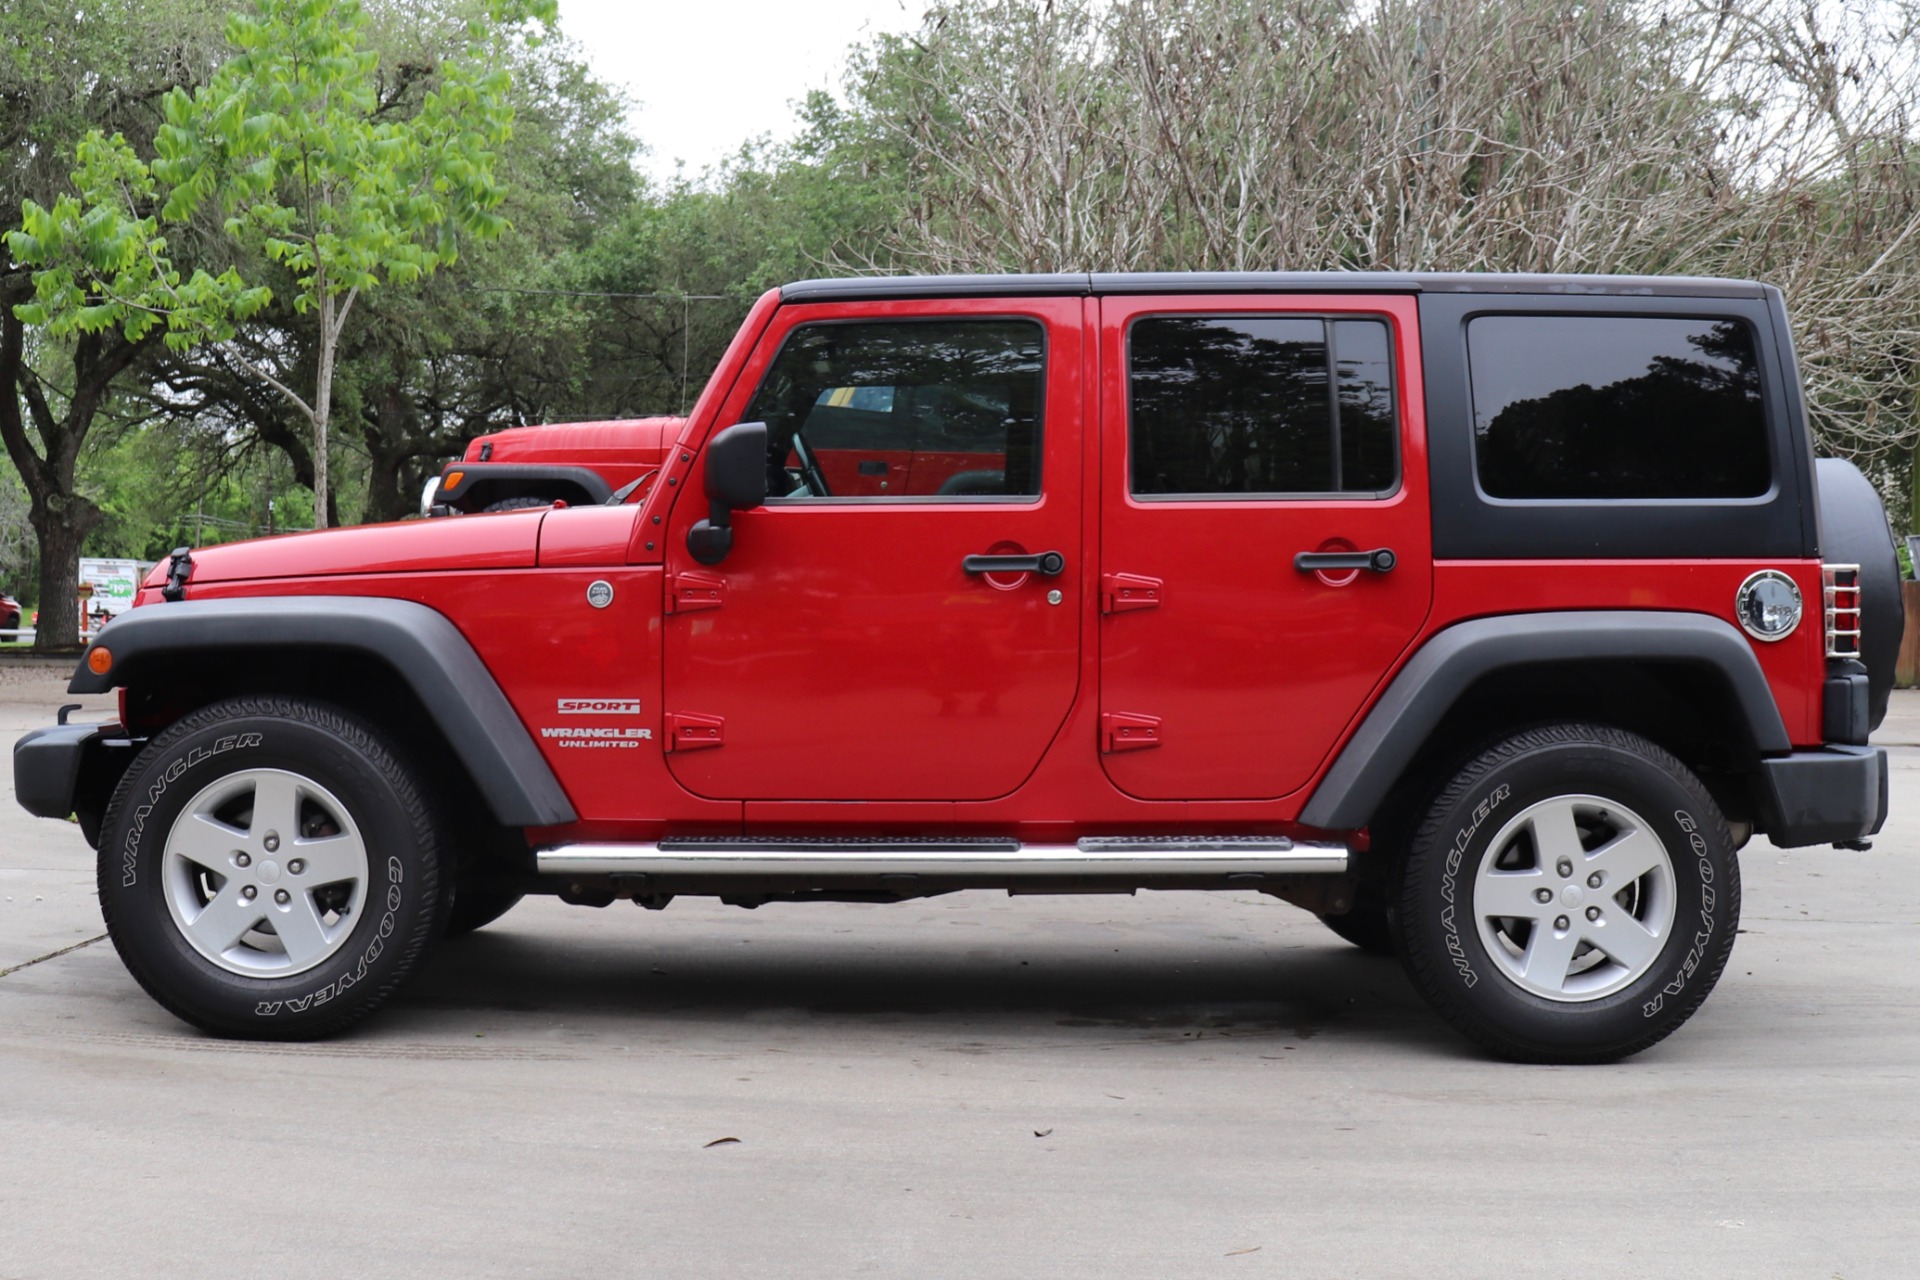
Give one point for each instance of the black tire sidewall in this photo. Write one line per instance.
(403, 900)
(1444, 951)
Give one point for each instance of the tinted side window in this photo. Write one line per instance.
(1260, 405)
(905, 408)
(1617, 407)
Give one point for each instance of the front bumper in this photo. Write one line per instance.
(1823, 797)
(70, 770)
(46, 768)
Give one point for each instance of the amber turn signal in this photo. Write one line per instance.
(99, 661)
(453, 479)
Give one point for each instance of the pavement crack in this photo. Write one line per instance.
(52, 955)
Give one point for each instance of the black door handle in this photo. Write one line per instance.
(1047, 564)
(1378, 561)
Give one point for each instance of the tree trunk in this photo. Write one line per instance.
(322, 408)
(62, 526)
(400, 448)
(388, 496)
(61, 518)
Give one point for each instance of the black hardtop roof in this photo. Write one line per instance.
(1081, 283)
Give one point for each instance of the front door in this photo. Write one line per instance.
(1237, 433)
(844, 650)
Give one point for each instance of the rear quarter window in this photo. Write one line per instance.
(1617, 407)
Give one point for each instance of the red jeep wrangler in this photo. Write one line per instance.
(1484, 616)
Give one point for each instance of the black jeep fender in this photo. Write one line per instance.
(1448, 665)
(420, 646)
(475, 486)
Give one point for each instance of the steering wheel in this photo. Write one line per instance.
(810, 468)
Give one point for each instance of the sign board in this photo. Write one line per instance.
(114, 584)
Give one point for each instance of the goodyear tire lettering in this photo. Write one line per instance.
(377, 945)
(1696, 952)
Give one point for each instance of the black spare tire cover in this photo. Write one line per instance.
(1853, 530)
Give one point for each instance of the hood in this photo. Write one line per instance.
(504, 541)
(581, 444)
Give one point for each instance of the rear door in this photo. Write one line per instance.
(844, 650)
(1238, 433)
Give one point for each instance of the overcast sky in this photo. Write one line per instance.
(709, 74)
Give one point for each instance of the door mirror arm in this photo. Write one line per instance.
(736, 481)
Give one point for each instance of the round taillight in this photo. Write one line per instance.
(1768, 605)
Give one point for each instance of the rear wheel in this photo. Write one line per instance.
(269, 869)
(1571, 897)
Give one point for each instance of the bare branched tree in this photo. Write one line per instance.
(1765, 138)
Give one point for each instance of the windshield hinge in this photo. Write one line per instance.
(179, 569)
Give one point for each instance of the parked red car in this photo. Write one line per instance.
(1485, 617)
(864, 442)
(578, 463)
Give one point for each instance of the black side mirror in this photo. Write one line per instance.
(736, 481)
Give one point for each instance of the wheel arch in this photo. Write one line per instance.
(375, 656)
(1686, 681)
(477, 485)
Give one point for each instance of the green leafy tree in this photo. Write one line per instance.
(289, 144)
(65, 71)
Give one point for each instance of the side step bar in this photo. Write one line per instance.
(988, 858)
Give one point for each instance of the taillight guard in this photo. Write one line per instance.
(1842, 584)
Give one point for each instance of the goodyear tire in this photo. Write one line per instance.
(1571, 897)
(269, 869)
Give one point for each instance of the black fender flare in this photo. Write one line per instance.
(483, 483)
(419, 644)
(1447, 665)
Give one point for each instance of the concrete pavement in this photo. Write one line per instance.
(1167, 1085)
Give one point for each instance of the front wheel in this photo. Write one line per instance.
(269, 869)
(1571, 897)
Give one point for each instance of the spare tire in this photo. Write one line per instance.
(1853, 530)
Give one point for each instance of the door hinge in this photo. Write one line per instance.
(1125, 731)
(1126, 592)
(693, 591)
(689, 731)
